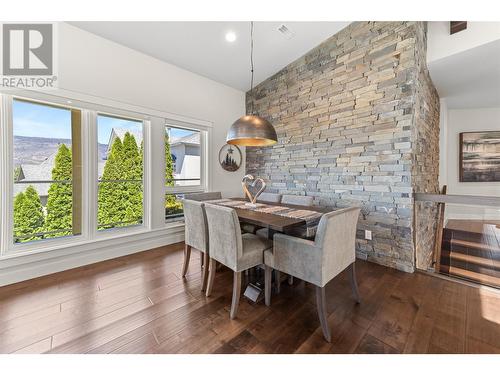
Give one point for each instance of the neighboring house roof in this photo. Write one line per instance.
(193, 139)
(43, 172)
(120, 133)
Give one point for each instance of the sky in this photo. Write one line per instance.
(35, 120)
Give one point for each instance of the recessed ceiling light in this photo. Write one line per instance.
(230, 36)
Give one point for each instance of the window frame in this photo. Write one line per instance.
(203, 158)
(112, 232)
(90, 106)
(205, 135)
(7, 133)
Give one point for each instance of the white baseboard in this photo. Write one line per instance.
(81, 255)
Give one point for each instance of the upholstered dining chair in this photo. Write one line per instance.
(229, 247)
(196, 236)
(269, 198)
(318, 261)
(207, 196)
(300, 200)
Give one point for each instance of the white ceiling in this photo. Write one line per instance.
(469, 79)
(200, 47)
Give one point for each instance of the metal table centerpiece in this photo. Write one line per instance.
(252, 182)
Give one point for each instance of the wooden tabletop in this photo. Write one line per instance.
(274, 222)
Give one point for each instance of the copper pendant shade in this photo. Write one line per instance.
(251, 130)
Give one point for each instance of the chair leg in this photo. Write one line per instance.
(211, 276)
(204, 279)
(236, 294)
(202, 258)
(187, 255)
(268, 275)
(323, 317)
(277, 275)
(354, 283)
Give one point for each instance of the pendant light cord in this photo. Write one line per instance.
(251, 66)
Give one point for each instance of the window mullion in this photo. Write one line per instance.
(147, 175)
(6, 173)
(90, 174)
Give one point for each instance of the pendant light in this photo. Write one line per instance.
(251, 130)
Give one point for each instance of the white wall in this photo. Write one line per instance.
(95, 66)
(456, 122)
(94, 70)
(443, 142)
(441, 44)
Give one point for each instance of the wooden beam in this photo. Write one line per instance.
(456, 26)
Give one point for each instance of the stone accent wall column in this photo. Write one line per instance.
(425, 167)
(346, 115)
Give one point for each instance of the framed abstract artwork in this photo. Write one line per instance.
(480, 156)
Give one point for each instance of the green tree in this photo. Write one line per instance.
(132, 171)
(17, 173)
(110, 209)
(172, 205)
(60, 197)
(28, 215)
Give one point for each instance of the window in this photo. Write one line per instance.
(120, 172)
(74, 172)
(183, 166)
(47, 160)
(183, 157)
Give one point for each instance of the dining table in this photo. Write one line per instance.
(275, 223)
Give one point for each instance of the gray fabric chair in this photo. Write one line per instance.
(300, 200)
(196, 236)
(207, 196)
(269, 198)
(265, 198)
(229, 247)
(318, 261)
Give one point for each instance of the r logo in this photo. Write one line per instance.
(27, 49)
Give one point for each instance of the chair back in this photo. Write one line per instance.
(270, 197)
(224, 235)
(207, 196)
(336, 236)
(196, 232)
(299, 200)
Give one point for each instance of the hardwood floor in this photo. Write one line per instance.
(140, 304)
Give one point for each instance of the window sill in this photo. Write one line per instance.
(48, 250)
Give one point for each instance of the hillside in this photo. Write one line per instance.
(34, 150)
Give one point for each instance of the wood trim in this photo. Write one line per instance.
(439, 233)
(474, 200)
(457, 26)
